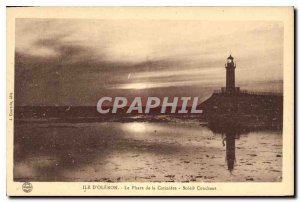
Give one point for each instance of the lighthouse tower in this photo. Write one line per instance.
(230, 76)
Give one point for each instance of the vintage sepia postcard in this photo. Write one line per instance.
(150, 101)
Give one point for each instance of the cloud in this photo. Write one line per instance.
(66, 61)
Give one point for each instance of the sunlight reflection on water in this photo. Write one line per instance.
(143, 151)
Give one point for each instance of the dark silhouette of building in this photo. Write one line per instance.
(250, 109)
(230, 74)
(230, 77)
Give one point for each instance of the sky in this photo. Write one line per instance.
(61, 62)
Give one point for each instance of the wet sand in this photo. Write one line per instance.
(142, 152)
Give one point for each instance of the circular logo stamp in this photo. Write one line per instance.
(27, 187)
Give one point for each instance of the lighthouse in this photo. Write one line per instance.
(230, 77)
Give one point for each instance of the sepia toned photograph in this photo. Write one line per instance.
(99, 100)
